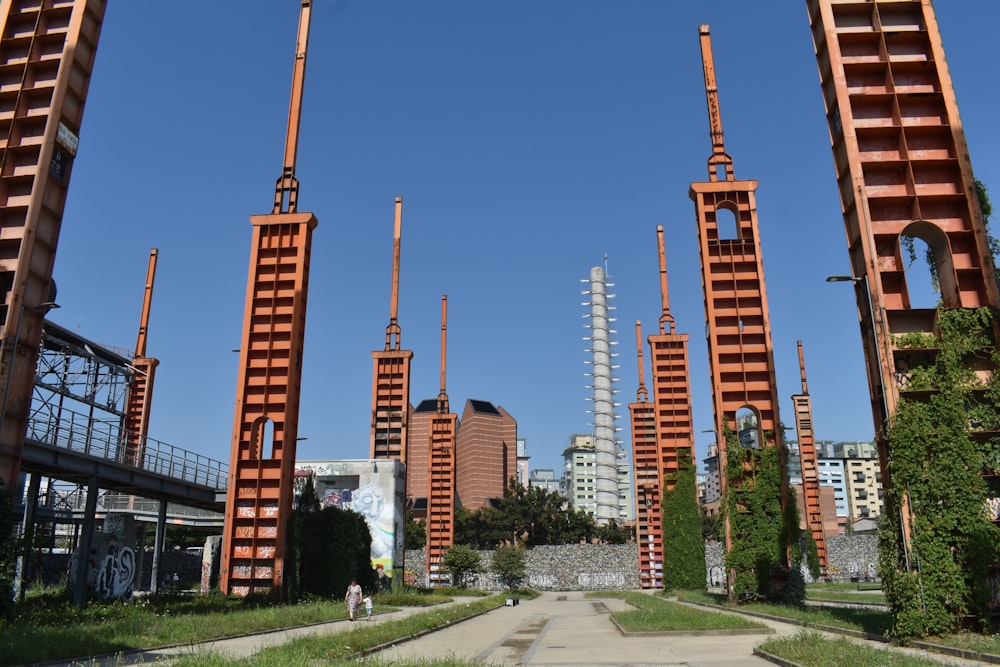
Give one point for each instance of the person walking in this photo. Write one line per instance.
(353, 598)
(368, 606)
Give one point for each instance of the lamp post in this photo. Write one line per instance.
(863, 280)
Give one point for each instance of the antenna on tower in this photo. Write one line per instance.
(286, 190)
(802, 370)
(641, 395)
(393, 331)
(720, 163)
(147, 298)
(666, 319)
(442, 403)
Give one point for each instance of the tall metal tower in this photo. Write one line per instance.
(47, 54)
(441, 471)
(903, 170)
(741, 358)
(391, 380)
(648, 499)
(605, 430)
(671, 392)
(262, 460)
(140, 387)
(813, 509)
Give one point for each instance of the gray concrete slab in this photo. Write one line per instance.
(566, 628)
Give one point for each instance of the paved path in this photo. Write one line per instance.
(566, 628)
(556, 628)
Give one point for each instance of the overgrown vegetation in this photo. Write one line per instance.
(654, 613)
(937, 455)
(462, 561)
(811, 648)
(8, 555)
(509, 562)
(683, 544)
(329, 546)
(531, 516)
(753, 504)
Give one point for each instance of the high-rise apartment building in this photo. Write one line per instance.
(580, 473)
(486, 453)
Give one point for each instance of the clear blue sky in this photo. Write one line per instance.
(528, 140)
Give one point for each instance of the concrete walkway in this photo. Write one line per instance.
(566, 628)
(557, 628)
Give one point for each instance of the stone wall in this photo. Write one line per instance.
(575, 567)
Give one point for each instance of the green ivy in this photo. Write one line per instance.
(756, 519)
(935, 462)
(683, 545)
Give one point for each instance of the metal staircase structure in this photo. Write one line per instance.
(140, 389)
(741, 357)
(47, 50)
(648, 501)
(391, 409)
(441, 472)
(813, 510)
(262, 458)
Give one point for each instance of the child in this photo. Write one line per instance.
(368, 606)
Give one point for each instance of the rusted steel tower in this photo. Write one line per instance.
(47, 52)
(903, 169)
(648, 502)
(671, 385)
(741, 358)
(140, 387)
(441, 470)
(813, 509)
(259, 496)
(391, 383)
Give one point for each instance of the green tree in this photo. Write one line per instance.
(328, 548)
(683, 544)
(509, 562)
(415, 532)
(613, 533)
(461, 561)
(711, 525)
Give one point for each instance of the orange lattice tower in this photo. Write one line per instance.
(813, 508)
(903, 169)
(140, 387)
(259, 495)
(741, 358)
(47, 54)
(391, 383)
(648, 502)
(441, 471)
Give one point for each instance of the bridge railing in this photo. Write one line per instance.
(106, 439)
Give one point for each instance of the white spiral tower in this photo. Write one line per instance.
(605, 429)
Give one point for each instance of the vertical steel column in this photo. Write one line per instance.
(47, 54)
(391, 376)
(262, 459)
(85, 544)
(27, 535)
(813, 509)
(648, 504)
(441, 471)
(140, 388)
(903, 170)
(741, 357)
(158, 543)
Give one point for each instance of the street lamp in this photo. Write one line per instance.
(863, 280)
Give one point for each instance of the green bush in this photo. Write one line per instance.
(683, 543)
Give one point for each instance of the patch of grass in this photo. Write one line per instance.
(50, 628)
(846, 596)
(811, 648)
(873, 621)
(337, 648)
(654, 613)
(971, 642)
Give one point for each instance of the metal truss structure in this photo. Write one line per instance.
(813, 509)
(648, 502)
(441, 472)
